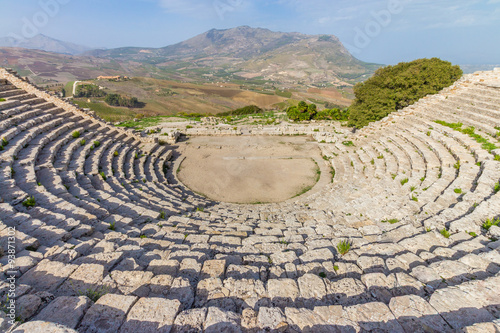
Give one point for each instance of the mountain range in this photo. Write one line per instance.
(253, 52)
(44, 43)
(241, 54)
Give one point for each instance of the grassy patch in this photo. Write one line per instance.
(144, 122)
(470, 131)
(391, 221)
(68, 88)
(107, 112)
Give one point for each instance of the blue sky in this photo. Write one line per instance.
(381, 31)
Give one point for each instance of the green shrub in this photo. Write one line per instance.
(93, 294)
(103, 175)
(395, 87)
(162, 215)
(83, 142)
(496, 188)
(97, 143)
(348, 143)
(414, 198)
(89, 90)
(2, 99)
(344, 246)
(118, 100)
(76, 134)
(302, 111)
(458, 191)
(404, 181)
(115, 153)
(4, 142)
(112, 226)
(491, 222)
(30, 202)
(445, 233)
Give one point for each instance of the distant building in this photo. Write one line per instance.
(116, 78)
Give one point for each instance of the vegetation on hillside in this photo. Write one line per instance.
(92, 90)
(117, 100)
(249, 109)
(395, 87)
(304, 112)
(89, 90)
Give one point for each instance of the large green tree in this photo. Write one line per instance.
(395, 87)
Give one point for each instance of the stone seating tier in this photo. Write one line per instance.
(109, 245)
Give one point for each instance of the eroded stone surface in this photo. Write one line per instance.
(107, 314)
(151, 315)
(64, 310)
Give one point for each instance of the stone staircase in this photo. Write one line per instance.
(110, 246)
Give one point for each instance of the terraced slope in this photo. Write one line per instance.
(105, 221)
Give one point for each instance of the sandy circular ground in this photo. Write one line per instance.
(249, 169)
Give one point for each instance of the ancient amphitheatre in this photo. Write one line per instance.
(96, 216)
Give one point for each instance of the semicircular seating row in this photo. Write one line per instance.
(109, 246)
